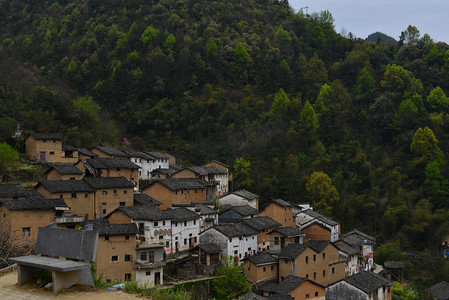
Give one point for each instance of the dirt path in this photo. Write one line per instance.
(10, 291)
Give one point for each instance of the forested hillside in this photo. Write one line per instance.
(360, 129)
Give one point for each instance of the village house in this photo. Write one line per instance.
(116, 250)
(176, 191)
(294, 287)
(22, 217)
(364, 243)
(213, 178)
(263, 225)
(78, 195)
(440, 291)
(108, 152)
(314, 260)
(224, 167)
(171, 157)
(110, 167)
(316, 231)
(240, 197)
(144, 161)
(84, 153)
(260, 267)
(160, 161)
(12, 191)
(70, 154)
(185, 228)
(350, 255)
(150, 262)
(237, 240)
(144, 199)
(308, 217)
(282, 236)
(110, 193)
(236, 214)
(165, 173)
(279, 210)
(64, 172)
(363, 285)
(209, 257)
(45, 147)
(208, 215)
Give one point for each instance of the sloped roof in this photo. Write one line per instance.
(156, 154)
(317, 245)
(440, 290)
(320, 217)
(176, 184)
(111, 163)
(209, 248)
(367, 281)
(289, 284)
(65, 186)
(66, 147)
(360, 234)
(233, 230)
(261, 258)
(317, 223)
(199, 208)
(171, 169)
(46, 136)
(144, 199)
(262, 222)
(144, 212)
(279, 202)
(246, 194)
(86, 152)
(65, 169)
(356, 241)
(243, 210)
(394, 264)
(33, 204)
(292, 251)
(111, 151)
(348, 249)
(181, 214)
(108, 182)
(138, 154)
(218, 162)
(288, 231)
(11, 190)
(105, 228)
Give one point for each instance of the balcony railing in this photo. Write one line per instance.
(144, 244)
(154, 265)
(69, 219)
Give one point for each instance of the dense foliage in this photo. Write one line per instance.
(358, 128)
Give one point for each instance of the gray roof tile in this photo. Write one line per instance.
(33, 204)
(111, 151)
(144, 212)
(175, 184)
(262, 222)
(348, 249)
(86, 152)
(261, 258)
(65, 186)
(181, 214)
(156, 154)
(144, 199)
(320, 217)
(244, 210)
(440, 290)
(105, 228)
(12, 190)
(65, 169)
(111, 163)
(367, 281)
(108, 182)
(233, 230)
(246, 194)
(210, 248)
(288, 231)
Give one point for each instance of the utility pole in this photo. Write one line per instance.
(307, 9)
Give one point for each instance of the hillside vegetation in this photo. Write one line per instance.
(358, 128)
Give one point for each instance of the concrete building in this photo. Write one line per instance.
(364, 243)
(350, 255)
(208, 215)
(185, 228)
(212, 177)
(240, 197)
(307, 217)
(144, 161)
(236, 214)
(363, 285)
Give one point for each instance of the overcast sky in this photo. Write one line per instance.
(363, 17)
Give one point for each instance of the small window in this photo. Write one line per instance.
(45, 141)
(106, 237)
(104, 211)
(185, 223)
(126, 237)
(125, 192)
(127, 257)
(314, 257)
(104, 192)
(86, 195)
(272, 268)
(324, 273)
(26, 231)
(185, 241)
(194, 222)
(115, 191)
(156, 223)
(73, 195)
(108, 280)
(143, 255)
(286, 261)
(307, 259)
(61, 196)
(122, 203)
(148, 273)
(235, 252)
(316, 294)
(114, 258)
(314, 275)
(103, 203)
(264, 269)
(307, 276)
(127, 276)
(163, 223)
(52, 153)
(324, 256)
(333, 270)
(276, 241)
(118, 169)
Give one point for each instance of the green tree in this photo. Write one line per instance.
(169, 42)
(8, 158)
(241, 56)
(231, 281)
(395, 79)
(410, 35)
(211, 48)
(438, 100)
(321, 192)
(280, 103)
(424, 142)
(242, 173)
(308, 119)
(149, 35)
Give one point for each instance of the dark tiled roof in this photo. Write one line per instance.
(292, 251)
(68, 148)
(86, 152)
(108, 182)
(65, 186)
(440, 290)
(317, 223)
(144, 212)
(360, 234)
(260, 223)
(209, 248)
(317, 245)
(105, 228)
(251, 296)
(281, 202)
(33, 204)
(280, 297)
(144, 199)
(156, 154)
(367, 281)
(261, 259)
(111, 151)
(65, 169)
(246, 194)
(111, 163)
(268, 286)
(288, 231)
(348, 249)
(394, 265)
(232, 230)
(356, 241)
(137, 154)
(199, 208)
(181, 214)
(218, 162)
(244, 210)
(47, 136)
(320, 217)
(11, 190)
(289, 284)
(175, 184)
(171, 169)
